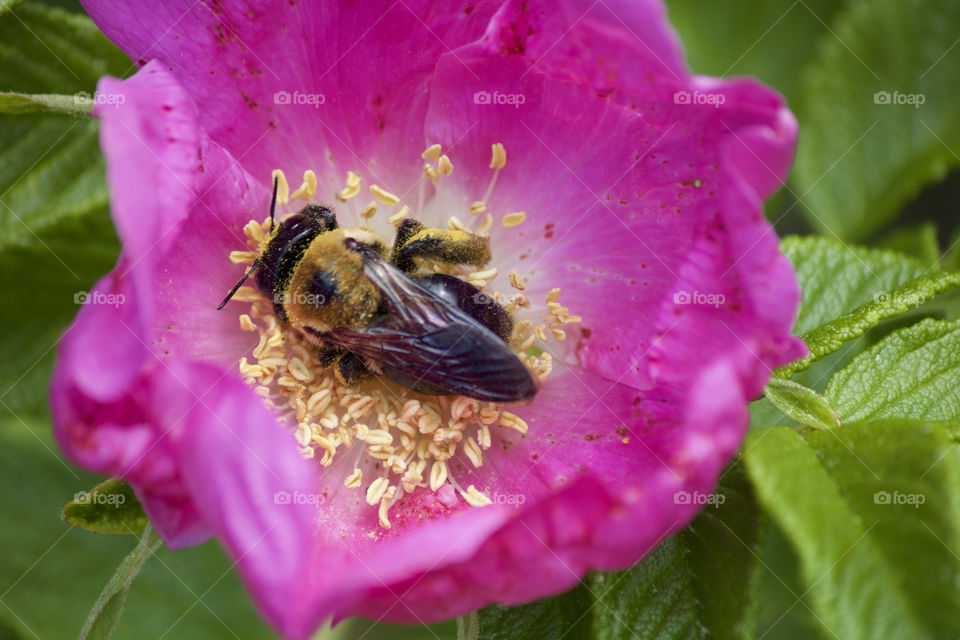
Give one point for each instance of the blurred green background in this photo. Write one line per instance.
(875, 174)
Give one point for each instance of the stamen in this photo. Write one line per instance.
(370, 210)
(431, 172)
(376, 490)
(407, 437)
(431, 153)
(308, 188)
(352, 188)
(474, 497)
(444, 166)
(383, 195)
(498, 159)
(513, 219)
(513, 421)
(283, 188)
(399, 215)
(243, 257)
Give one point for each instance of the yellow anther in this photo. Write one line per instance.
(474, 498)
(352, 188)
(283, 187)
(399, 215)
(243, 257)
(383, 195)
(431, 153)
(513, 219)
(308, 188)
(498, 159)
(444, 166)
(369, 211)
(376, 490)
(431, 172)
(477, 208)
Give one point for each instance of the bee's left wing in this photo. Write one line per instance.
(432, 343)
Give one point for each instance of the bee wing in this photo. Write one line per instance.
(433, 343)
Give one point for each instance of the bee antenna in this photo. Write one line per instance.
(273, 200)
(253, 267)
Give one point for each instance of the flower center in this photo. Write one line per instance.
(393, 439)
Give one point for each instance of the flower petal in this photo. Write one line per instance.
(325, 86)
(629, 203)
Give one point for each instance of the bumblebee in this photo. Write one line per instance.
(435, 334)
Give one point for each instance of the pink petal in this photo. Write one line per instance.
(369, 63)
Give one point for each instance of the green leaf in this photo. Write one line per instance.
(110, 507)
(50, 572)
(48, 50)
(19, 103)
(871, 510)
(106, 611)
(699, 583)
(55, 231)
(801, 403)
(653, 600)
(862, 154)
(563, 616)
(724, 548)
(912, 373)
(836, 277)
(829, 337)
(769, 39)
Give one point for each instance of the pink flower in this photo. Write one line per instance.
(642, 187)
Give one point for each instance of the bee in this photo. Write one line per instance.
(370, 315)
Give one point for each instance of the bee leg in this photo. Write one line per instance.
(350, 369)
(444, 245)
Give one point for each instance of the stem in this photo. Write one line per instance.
(468, 627)
(106, 611)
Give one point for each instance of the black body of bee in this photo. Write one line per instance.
(435, 334)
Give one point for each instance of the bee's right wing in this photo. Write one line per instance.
(433, 343)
